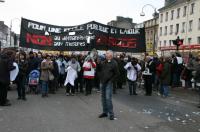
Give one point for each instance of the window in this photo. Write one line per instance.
(166, 17)
(189, 40)
(172, 14)
(160, 31)
(160, 43)
(199, 24)
(170, 42)
(171, 29)
(192, 9)
(198, 40)
(177, 29)
(151, 36)
(184, 11)
(178, 12)
(183, 27)
(161, 18)
(190, 25)
(165, 43)
(147, 35)
(165, 30)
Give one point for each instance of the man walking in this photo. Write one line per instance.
(109, 72)
(6, 65)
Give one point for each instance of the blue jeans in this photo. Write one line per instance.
(106, 98)
(45, 87)
(165, 90)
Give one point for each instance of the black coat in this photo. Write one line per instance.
(166, 74)
(6, 65)
(122, 77)
(109, 71)
(33, 64)
(197, 74)
(176, 68)
(55, 70)
(23, 66)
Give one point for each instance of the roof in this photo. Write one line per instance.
(173, 3)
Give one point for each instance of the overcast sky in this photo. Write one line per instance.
(74, 12)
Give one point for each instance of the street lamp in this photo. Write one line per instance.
(11, 27)
(2, 1)
(155, 15)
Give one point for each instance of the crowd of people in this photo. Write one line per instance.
(46, 73)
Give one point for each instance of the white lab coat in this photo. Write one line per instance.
(131, 71)
(71, 76)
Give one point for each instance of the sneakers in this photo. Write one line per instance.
(98, 91)
(45, 95)
(103, 115)
(70, 94)
(24, 99)
(112, 117)
(6, 104)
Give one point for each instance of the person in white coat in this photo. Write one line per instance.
(132, 72)
(70, 81)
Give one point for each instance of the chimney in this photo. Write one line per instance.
(168, 2)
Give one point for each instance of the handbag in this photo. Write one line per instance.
(51, 76)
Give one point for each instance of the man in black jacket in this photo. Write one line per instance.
(197, 78)
(109, 72)
(33, 63)
(6, 65)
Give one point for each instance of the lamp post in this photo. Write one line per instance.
(2, 1)
(187, 18)
(155, 15)
(11, 28)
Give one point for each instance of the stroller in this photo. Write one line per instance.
(33, 82)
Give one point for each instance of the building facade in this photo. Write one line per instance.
(4, 34)
(151, 35)
(7, 38)
(179, 18)
(122, 22)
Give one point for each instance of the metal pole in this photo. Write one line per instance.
(154, 37)
(0, 46)
(11, 29)
(10, 32)
(154, 28)
(187, 15)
